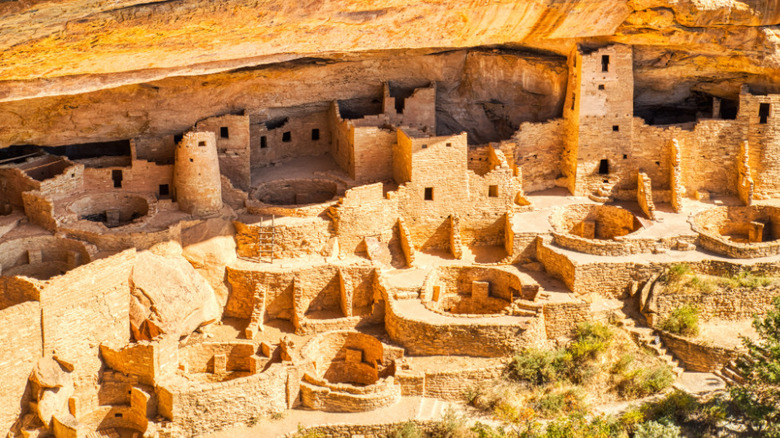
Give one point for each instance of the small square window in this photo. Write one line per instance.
(223, 132)
(116, 176)
(315, 134)
(287, 137)
(657, 163)
(449, 145)
(615, 128)
(625, 156)
(425, 146)
(202, 144)
(429, 193)
(164, 190)
(601, 86)
(263, 142)
(493, 191)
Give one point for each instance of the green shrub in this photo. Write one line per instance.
(408, 430)
(536, 366)
(642, 382)
(622, 364)
(683, 320)
(676, 273)
(653, 429)
(677, 406)
(558, 402)
(451, 426)
(308, 433)
(591, 338)
(746, 279)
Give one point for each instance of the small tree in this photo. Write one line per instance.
(757, 399)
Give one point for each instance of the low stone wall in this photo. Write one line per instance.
(364, 430)
(560, 319)
(695, 355)
(712, 224)
(620, 246)
(726, 303)
(421, 335)
(291, 238)
(446, 385)
(323, 396)
(199, 407)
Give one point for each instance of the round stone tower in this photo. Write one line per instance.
(196, 177)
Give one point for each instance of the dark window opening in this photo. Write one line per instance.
(763, 112)
(601, 86)
(604, 63)
(429, 193)
(223, 132)
(425, 146)
(449, 145)
(263, 142)
(573, 100)
(604, 167)
(657, 163)
(615, 128)
(315, 134)
(164, 190)
(287, 137)
(493, 191)
(116, 176)
(625, 156)
(400, 94)
(202, 144)
(728, 109)
(118, 415)
(178, 138)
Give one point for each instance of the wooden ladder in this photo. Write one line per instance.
(266, 241)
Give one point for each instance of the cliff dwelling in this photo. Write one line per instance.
(289, 234)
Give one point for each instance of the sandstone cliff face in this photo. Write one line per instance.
(155, 68)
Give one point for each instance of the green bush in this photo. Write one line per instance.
(683, 320)
(408, 430)
(653, 429)
(677, 406)
(676, 273)
(746, 279)
(558, 402)
(451, 426)
(535, 366)
(642, 382)
(591, 338)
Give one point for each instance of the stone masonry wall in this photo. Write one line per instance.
(20, 349)
(87, 306)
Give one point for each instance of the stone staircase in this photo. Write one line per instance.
(646, 337)
(730, 374)
(603, 193)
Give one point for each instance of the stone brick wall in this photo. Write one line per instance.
(292, 293)
(324, 398)
(298, 238)
(424, 336)
(695, 355)
(53, 250)
(232, 135)
(364, 211)
(536, 149)
(150, 362)
(365, 430)
(300, 142)
(197, 180)
(141, 176)
(87, 306)
(560, 319)
(724, 303)
(452, 385)
(159, 150)
(712, 224)
(20, 348)
(192, 405)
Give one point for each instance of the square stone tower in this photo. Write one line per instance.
(599, 113)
